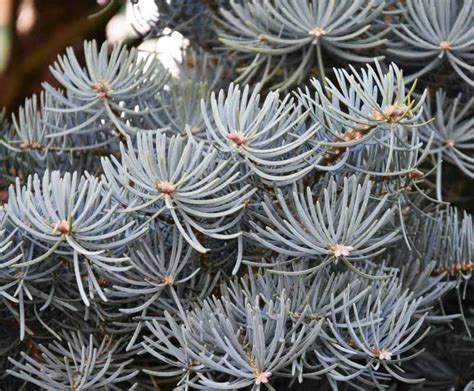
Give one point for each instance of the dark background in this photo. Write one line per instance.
(57, 25)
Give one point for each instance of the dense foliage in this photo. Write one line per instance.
(275, 217)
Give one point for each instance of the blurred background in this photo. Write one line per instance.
(34, 32)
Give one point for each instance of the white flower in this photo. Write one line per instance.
(262, 377)
(384, 355)
(340, 250)
(317, 32)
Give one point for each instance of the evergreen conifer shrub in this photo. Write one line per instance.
(277, 217)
